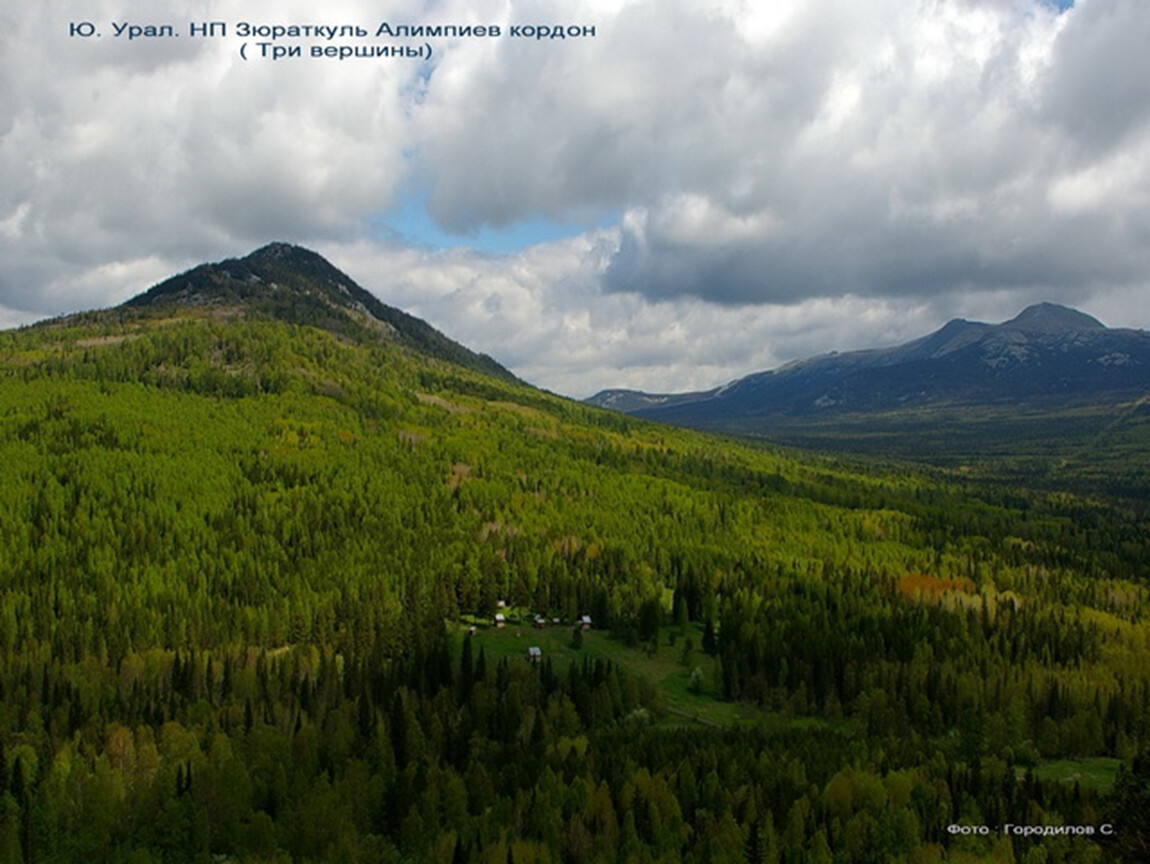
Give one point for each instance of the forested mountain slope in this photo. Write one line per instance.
(238, 543)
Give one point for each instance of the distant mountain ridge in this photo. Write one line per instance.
(1048, 353)
(300, 286)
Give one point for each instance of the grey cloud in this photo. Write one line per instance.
(1096, 91)
(529, 128)
(933, 168)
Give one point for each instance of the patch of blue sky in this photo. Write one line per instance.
(411, 223)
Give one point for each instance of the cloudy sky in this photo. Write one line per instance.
(698, 191)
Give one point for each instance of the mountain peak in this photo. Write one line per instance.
(1053, 318)
(280, 254)
(300, 286)
(280, 249)
(276, 273)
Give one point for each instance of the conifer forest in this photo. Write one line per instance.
(250, 566)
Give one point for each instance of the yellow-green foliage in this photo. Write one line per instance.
(230, 545)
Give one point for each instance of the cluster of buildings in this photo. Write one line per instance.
(539, 622)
